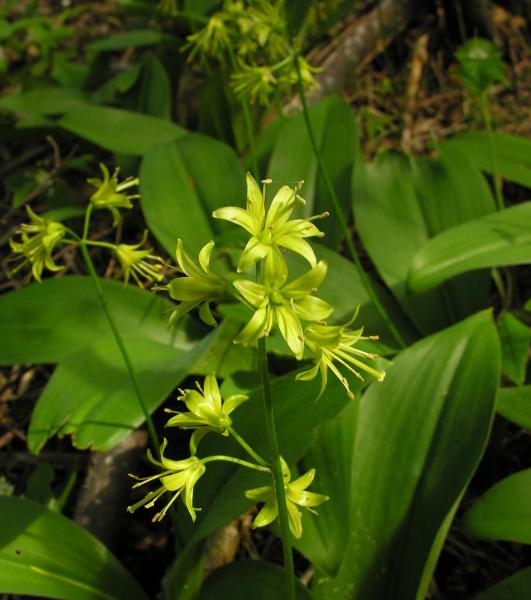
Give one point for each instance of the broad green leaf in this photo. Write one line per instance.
(514, 338)
(504, 511)
(47, 322)
(155, 88)
(401, 202)
(128, 39)
(515, 405)
(44, 101)
(515, 587)
(247, 579)
(417, 441)
(496, 240)
(120, 130)
(513, 153)
(90, 395)
(45, 554)
(181, 183)
(293, 160)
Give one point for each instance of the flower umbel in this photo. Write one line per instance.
(285, 304)
(296, 495)
(200, 286)
(138, 263)
(273, 229)
(177, 476)
(109, 193)
(208, 412)
(332, 344)
(38, 239)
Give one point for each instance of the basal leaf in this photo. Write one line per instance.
(514, 404)
(44, 554)
(496, 240)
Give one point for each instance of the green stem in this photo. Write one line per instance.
(116, 332)
(236, 461)
(488, 126)
(247, 119)
(339, 211)
(278, 477)
(246, 446)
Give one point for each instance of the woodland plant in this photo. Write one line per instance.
(262, 284)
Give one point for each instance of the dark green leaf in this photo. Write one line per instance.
(45, 554)
(399, 203)
(504, 511)
(513, 153)
(514, 338)
(515, 405)
(128, 39)
(155, 89)
(418, 439)
(515, 587)
(497, 240)
(293, 160)
(120, 130)
(44, 101)
(182, 183)
(247, 579)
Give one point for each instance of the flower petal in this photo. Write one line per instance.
(232, 402)
(280, 208)
(299, 246)
(303, 481)
(267, 515)
(307, 282)
(212, 394)
(260, 494)
(312, 308)
(257, 327)
(294, 520)
(291, 329)
(253, 292)
(239, 216)
(204, 255)
(255, 201)
(253, 252)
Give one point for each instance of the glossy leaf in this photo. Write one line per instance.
(399, 204)
(513, 153)
(246, 579)
(120, 130)
(515, 405)
(504, 511)
(293, 160)
(128, 39)
(182, 183)
(47, 322)
(155, 88)
(417, 441)
(44, 101)
(497, 240)
(514, 338)
(515, 587)
(90, 395)
(45, 554)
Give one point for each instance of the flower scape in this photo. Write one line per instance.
(262, 283)
(270, 300)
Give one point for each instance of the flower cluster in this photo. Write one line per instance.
(209, 413)
(262, 59)
(40, 236)
(274, 299)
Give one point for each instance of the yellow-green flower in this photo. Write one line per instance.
(110, 193)
(253, 82)
(177, 476)
(331, 344)
(37, 241)
(208, 412)
(200, 286)
(283, 303)
(138, 263)
(296, 495)
(272, 230)
(211, 40)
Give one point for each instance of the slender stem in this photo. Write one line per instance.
(237, 461)
(246, 446)
(488, 126)
(340, 213)
(116, 332)
(247, 119)
(278, 476)
(100, 244)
